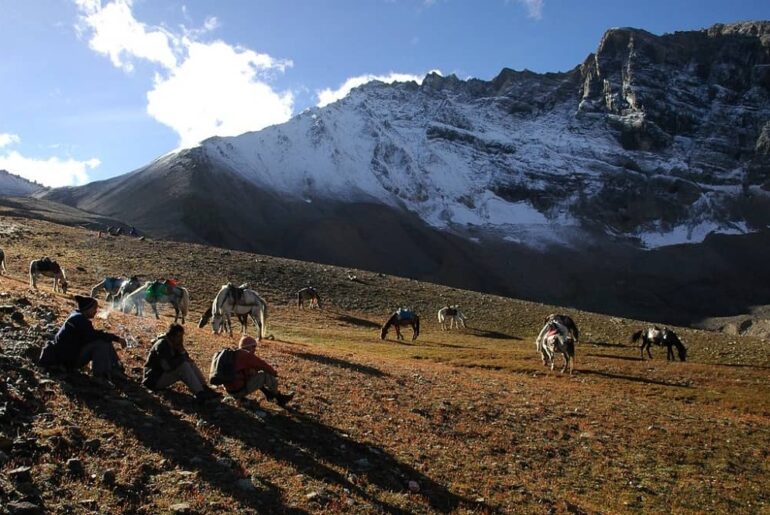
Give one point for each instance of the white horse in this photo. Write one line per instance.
(454, 315)
(556, 337)
(48, 268)
(175, 295)
(115, 287)
(248, 303)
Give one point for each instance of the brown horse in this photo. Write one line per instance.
(402, 317)
(48, 268)
(309, 295)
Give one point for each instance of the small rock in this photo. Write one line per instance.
(225, 462)
(311, 496)
(21, 475)
(17, 316)
(92, 445)
(7, 308)
(414, 486)
(245, 484)
(75, 466)
(108, 477)
(5, 443)
(181, 507)
(23, 508)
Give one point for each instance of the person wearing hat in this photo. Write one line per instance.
(253, 373)
(77, 343)
(168, 363)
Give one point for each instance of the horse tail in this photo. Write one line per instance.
(205, 318)
(440, 317)
(263, 320)
(96, 288)
(299, 299)
(635, 337)
(184, 304)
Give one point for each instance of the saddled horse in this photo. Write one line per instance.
(556, 337)
(663, 338)
(309, 295)
(402, 317)
(240, 301)
(154, 292)
(116, 287)
(453, 314)
(567, 322)
(48, 268)
(3, 270)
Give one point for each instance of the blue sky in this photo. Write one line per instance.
(91, 89)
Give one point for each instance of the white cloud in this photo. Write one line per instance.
(201, 89)
(8, 139)
(52, 171)
(117, 34)
(217, 91)
(534, 8)
(328, 95)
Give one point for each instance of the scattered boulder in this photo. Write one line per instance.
(21, 475)
(23, 508)
(75, 467)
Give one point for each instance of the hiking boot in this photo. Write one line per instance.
(206, 395)
(268, 394)
(283, 399)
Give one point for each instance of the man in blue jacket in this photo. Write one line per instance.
(77, 343)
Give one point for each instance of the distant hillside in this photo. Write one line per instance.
(15, 186)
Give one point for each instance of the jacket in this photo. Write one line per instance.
(76, 332)
(161, 358)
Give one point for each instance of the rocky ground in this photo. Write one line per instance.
(462, 422)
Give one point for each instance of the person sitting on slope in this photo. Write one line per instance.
(252, 374)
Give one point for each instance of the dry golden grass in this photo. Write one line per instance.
(470, 416)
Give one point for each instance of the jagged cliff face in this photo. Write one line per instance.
(509, 185)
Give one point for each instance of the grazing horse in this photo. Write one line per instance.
(309, 295)
(454, 315)
(567, 322)
(402, 317)
(154, 292)
(556, 337)
(660, 337)
(240, 301)
(3, 270)
(115, 287)
(48, 268)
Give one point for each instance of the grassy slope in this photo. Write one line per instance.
(471, 416)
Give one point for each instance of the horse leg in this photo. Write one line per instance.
(155, 310)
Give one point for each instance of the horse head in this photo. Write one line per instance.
(216, 323)
(63, 284)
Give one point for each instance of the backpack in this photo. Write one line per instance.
(222, 367)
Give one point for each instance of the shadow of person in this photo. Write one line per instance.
(307, 445)
(156, 428)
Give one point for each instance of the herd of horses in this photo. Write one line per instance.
(559, 334)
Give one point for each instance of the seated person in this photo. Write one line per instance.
(77, 343)
(252, 374)
(168, 362)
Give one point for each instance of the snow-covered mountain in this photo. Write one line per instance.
(15, 186)
(652, 141)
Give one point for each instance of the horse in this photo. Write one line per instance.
(3, 270)
(154, 292)
(115, 287)
(660, 337)
(567, 322)
(556, 337)
(454, 315)
(310, 295)
(48, 268)
(402, 317)
(240, 301)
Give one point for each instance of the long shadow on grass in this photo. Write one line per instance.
(613, 356)
(631, 378)
(155, 427)
(357, 321)
(608, 344)
(483, 333)
(307, 445)
(340, 363)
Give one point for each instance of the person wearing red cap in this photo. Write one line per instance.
(77, 343)
(253, 373)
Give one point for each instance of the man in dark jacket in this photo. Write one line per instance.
(77, 343)
(168, 362)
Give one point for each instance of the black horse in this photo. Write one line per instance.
(402, 317)
(663, 338)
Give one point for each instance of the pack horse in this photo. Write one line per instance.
(48, 268)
